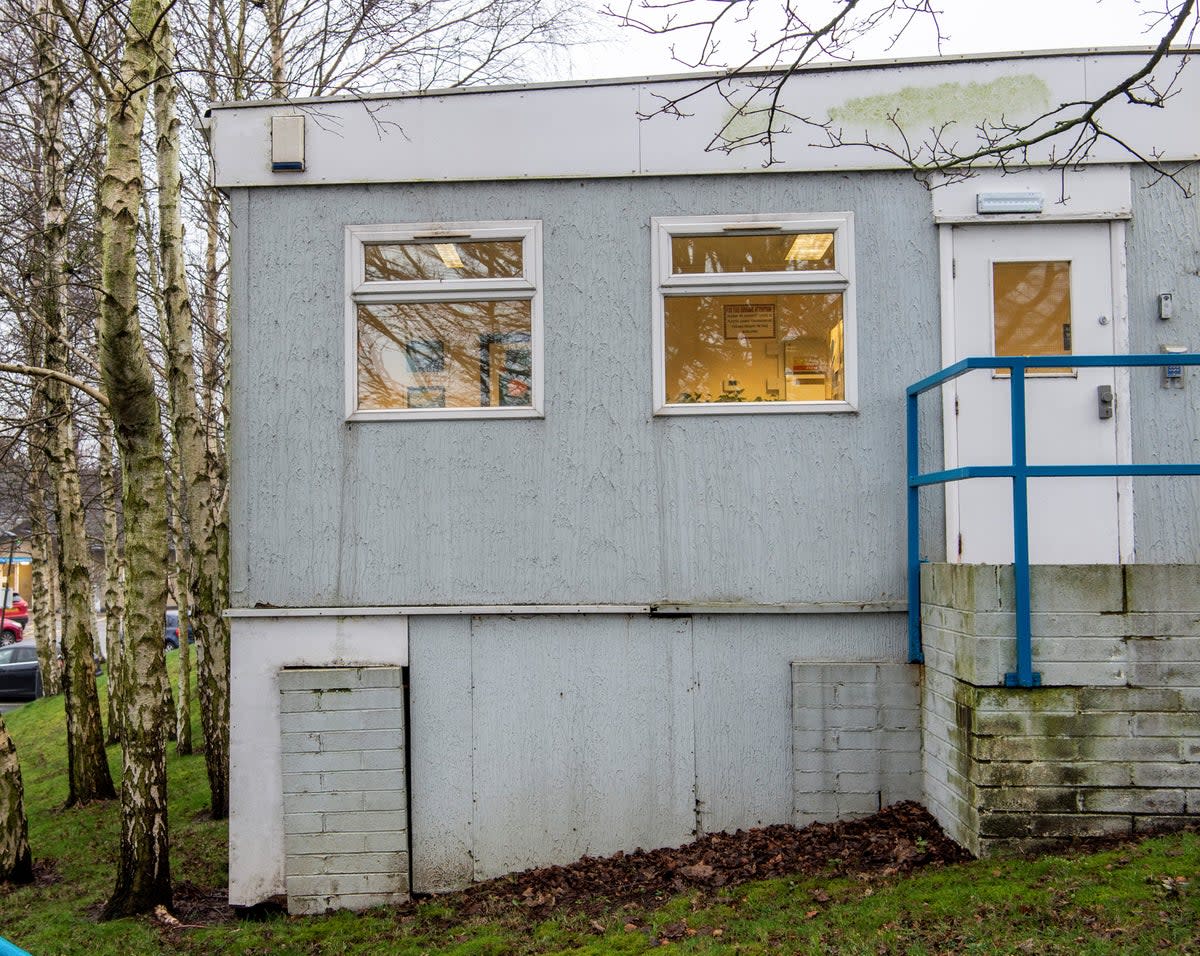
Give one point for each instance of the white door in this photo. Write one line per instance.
(1034, 289)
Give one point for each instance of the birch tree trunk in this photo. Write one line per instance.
(16, 862)
(144, 872)
(41, 626)
(53, 601)
(183, 707)
(274, 14)
(114, 587)
(154, 276)
(198, 489)
(87, 765)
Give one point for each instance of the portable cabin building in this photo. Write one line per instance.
(569, 482)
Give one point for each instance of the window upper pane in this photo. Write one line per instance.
(754, 348)
(443, 259)
(759, 252)
(423, 355)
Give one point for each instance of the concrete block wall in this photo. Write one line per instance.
(1110, 744)
(345, 798)
(856, 739)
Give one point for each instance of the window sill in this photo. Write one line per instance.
(443, 414)
(757, 408)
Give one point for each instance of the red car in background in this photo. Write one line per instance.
(12, 633)
(17, 610)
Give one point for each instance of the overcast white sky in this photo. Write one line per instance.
(973, 26)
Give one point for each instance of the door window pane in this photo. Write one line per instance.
(442, 259)
(1031, 309)
(754, 348)
(424, 355)
(773, 252)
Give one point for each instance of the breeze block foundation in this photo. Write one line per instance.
(1108, 745)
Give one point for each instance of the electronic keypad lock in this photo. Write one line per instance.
(1173, 374)
(1104, 401)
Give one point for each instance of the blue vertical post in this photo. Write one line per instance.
(1024, 676)
(915, 654)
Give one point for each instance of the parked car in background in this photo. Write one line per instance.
(13, 633)
(20, 675)
(171, 630)
(18, 608)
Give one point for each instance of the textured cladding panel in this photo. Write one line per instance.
(1164, 256)
(241, 490)
(536, 739)
(582, 738)
(598, 502)
(440, 712)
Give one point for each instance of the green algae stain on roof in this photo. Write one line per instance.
(1012, 97)
(746, 123)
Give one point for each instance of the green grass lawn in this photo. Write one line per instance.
(1136, 898)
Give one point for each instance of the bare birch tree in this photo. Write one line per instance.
(16, 861)
(197, 492)
(88, 774)
(319, 47)
(143, 873)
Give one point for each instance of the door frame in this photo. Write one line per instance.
(1120, 320)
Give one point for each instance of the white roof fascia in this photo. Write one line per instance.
(597, 130)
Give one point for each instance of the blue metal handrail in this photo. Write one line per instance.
(1020, 471)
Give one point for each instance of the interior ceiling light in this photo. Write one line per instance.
(809, 247)
(449, 255)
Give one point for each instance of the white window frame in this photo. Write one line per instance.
(840, 279)
(526, 287)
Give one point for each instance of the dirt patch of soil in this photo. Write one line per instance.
(898, 839)
(201, 905)
(45, 873)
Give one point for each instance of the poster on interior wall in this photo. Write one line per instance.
(750, 321)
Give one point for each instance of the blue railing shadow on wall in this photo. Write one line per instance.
(1019, 471)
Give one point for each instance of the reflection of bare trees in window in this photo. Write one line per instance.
(449, 259)
(463, 329)
(396, 341)
(1032, 302)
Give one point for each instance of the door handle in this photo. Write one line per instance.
(1104, 401)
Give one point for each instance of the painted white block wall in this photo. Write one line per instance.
(856, 747)
(260, 649)
(345, 796)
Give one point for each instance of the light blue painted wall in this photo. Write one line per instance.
(1164, 256)
(599, 502)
